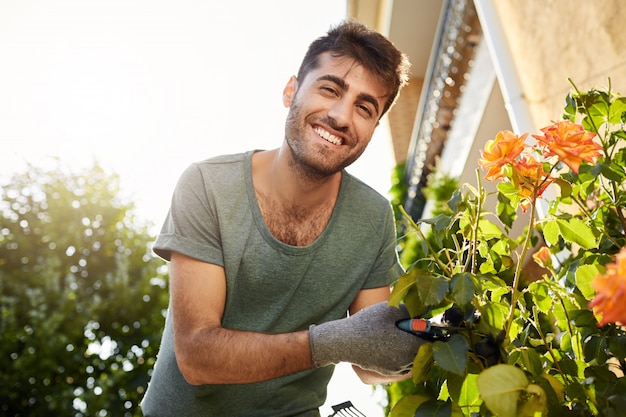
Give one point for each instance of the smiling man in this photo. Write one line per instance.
(281, 261)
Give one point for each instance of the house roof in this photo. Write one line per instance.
(519, 60)
(439, 38)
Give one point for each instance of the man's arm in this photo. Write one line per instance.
(366, 298)
(206, 352)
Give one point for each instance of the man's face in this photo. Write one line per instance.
(332, 114)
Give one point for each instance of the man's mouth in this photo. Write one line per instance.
(326, 135)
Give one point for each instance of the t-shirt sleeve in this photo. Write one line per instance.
(387, 268)
(192, 224)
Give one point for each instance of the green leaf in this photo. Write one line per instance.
(594, 348)
(599, 113)
(564, 186)
(407, 405)
(455, 200)
(452, 354)
(566, 341)
(570, 367)
(502, 247)
(463, 390)
(551, 232)
(618, 136)
(575, 390)
(432, 289)
(535, 402)
(618, 107)
(466, 222)
(582, 318)
(401, 287)
(530, 360)
(612, 171)
(493, 315)
(617, 346)
(576, 231)
(423, 363)
(508, 200)
(462, 286)
(434, 408)
(557, 386)
(600, 374)
(488, 230)
(440, 223)
(491, 282)
(584, 275)
(570, 108)
(540, 293)
(414, 304)
(500, 388)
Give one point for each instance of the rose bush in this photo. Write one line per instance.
(536, 316)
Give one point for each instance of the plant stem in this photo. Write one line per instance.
(583, 209)
(479, 208)
(548, 346)
(443, 266)
(518, 268)
(618, 209)
(578, 349)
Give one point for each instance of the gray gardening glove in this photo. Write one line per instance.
(369, 339)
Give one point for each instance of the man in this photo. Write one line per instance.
(270, 250)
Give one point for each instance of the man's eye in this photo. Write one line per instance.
(329, 90)
(366, 110)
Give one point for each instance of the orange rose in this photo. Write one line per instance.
(500, 151)
(530, 178)
(543, 258)
(571, 143)
(610, 298)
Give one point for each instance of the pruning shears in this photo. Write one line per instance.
(427, 329)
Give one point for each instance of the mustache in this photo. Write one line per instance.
(332, 123)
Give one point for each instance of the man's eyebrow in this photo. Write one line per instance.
(341, 83)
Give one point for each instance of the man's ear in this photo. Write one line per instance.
(290, 91)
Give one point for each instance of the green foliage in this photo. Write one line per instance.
(81, 298)
(525, 344)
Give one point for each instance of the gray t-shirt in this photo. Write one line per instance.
(272, 287)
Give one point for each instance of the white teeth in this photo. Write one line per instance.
(328, 136)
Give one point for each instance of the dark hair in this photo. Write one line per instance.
(367, 47)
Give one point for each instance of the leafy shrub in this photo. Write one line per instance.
(537, 315)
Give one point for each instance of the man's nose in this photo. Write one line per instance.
(341, 113)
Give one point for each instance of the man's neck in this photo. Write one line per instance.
(295, 208)
(276, 174)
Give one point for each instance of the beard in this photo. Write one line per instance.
(315, 162)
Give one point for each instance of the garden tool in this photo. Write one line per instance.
(427, 329)
(346, 410)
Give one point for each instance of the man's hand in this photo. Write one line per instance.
(369, 339)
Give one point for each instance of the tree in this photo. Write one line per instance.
(82, 299)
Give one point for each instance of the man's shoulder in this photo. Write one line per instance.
(223, 159)
(362, 191)
(219, 166)
(215, 172)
